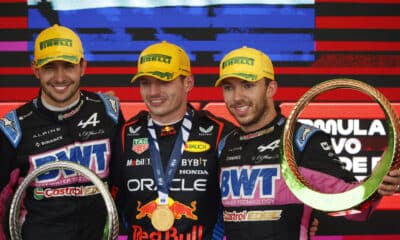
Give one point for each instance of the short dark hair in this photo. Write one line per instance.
(267, 81)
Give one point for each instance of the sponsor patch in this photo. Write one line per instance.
(70, 191)
(196, 146)
(250, 216)
(140, 145)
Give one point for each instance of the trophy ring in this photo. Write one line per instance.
(336, 202)
(110, 230)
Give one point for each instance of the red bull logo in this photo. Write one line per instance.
(145, 210)
(178, 209)
(196, 233)
(168, 130)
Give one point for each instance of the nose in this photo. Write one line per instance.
(237, 94)
(155, 88)
(59, 74)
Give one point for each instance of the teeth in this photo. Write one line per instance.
(242, 108)
(156, 101)
(61, 88)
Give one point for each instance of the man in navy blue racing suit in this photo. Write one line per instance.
(169, 160)
(257, 203)
(63, 123)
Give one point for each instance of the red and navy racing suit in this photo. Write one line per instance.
(61, 204)
(256, 201)
(194, 190)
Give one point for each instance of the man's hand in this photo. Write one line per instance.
(313, 227)
(390, 184)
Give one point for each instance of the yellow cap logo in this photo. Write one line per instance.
(197, 146)
(156, 58)
(238, 60)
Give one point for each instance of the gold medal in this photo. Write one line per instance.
(162, 218)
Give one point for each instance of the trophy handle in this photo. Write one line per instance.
(111, 229)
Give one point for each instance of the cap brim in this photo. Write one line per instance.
(149, 74)
(219, 80)
(67, 58)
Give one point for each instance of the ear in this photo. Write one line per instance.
(272, 88)
(83, 64)
(189, 83)
(35, 70)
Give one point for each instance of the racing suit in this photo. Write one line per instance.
(194, 191)
(61, 204)
(256, 200)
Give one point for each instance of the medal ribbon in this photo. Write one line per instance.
(164, 179)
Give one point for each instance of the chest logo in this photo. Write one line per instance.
(272, 146)
(140, 145)
(91, 121)
(206, 130)
(197, 146)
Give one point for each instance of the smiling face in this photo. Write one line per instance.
(250, 103)
(60, 81)
(166, 100)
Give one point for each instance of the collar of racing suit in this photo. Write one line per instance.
(59, 116)
(279, 120)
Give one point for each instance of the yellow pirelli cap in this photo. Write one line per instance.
(245, 63)
(164, 61)
(57, 43)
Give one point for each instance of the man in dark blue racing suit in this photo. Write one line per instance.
(63, 123)
(257, 202)
(169, 159)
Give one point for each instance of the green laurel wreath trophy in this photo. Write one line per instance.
(336, 202)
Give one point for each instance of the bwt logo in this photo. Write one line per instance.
(245, 181)
(94, 155)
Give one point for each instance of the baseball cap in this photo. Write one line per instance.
(245, 63)
(164, 61)
(57, 43)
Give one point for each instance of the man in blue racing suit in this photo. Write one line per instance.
(63, 123)
(169, 160)
(257, 203)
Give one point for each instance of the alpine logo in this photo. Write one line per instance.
(272, 146)
(91, 121)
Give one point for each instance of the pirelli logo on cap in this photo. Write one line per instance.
(238, 60)
(55, 42)
(197, 146)
(155, 58)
